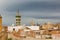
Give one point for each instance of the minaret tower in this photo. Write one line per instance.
(18, 19)
(32, 23)
(0, 23)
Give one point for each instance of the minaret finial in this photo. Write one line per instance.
(0, 15)
(17, 11)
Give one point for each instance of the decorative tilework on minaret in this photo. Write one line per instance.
(18, 19)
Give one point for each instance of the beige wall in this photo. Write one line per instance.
(4, 36)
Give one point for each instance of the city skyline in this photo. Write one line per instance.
(30, 9)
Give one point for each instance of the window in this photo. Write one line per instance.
(38, 33)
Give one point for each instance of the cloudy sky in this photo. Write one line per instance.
(39, 10)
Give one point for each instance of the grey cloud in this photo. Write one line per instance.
(36, 6)
(32, 10)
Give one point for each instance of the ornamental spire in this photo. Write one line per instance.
(17, 12)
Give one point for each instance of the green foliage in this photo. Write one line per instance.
(48, 37)
(10, 39)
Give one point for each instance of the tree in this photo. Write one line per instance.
(10, 39)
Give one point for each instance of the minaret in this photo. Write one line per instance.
(18, 19)
(0, 23)
(32, 23)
